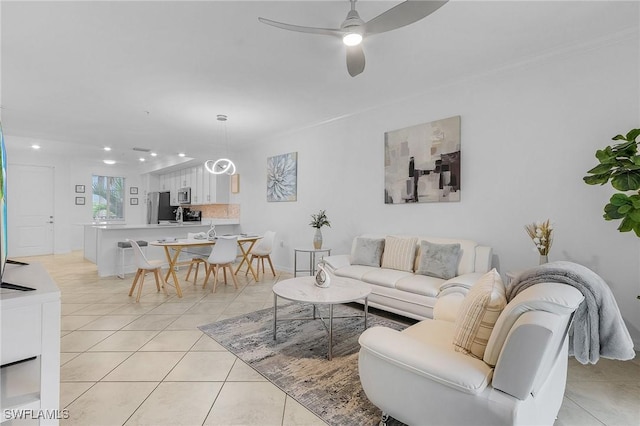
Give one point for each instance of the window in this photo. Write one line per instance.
(108, 198)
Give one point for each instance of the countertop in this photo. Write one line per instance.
(205, 222)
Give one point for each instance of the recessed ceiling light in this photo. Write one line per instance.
(35, 146)
(141, 159)
(181, 154)
(108, 161)
(154, 154)
(107, 148)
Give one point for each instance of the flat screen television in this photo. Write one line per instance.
(4, 242)
(3, 204)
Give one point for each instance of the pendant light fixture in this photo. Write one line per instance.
(221, 165)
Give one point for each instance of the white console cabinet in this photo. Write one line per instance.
(30, 328)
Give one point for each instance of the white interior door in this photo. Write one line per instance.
(30, 210)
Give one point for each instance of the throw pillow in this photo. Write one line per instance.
(399, 253)
(478, 314)
(438, 260)
(367, 251)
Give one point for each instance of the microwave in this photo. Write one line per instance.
(184, 196)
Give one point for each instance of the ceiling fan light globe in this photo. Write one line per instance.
(352, 39)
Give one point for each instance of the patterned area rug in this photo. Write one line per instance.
(297, 362)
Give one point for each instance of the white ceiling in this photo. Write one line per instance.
(155, 74)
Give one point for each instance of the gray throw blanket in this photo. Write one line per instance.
(598, 328)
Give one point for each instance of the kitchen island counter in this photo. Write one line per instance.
(101, 240)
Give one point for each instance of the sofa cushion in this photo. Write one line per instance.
(478, 314)
(354, 271)
(467, 259)
(367, 251)
(399, 253)
(385, 277)
(420, 284)
(438, 260)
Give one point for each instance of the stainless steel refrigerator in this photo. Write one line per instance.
(159, 207)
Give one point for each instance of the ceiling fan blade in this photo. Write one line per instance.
(355, 60)
(298, 28)
(403, 14)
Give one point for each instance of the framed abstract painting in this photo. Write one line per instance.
(282, 177)
(422, 163)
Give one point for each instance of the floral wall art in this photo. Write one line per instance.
(422, 163)
(282, 177)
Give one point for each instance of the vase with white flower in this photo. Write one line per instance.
(318, 221)
(541, 233)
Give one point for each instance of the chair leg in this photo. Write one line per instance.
(195, 277)
(208, 268)
(216, 272)
(155, 275)
(224, 272)
(158, 274)
(144, 273)
(273, 271)
(135, 281)
(233, 276)
(189, 272)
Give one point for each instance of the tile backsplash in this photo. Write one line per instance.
(218, 211)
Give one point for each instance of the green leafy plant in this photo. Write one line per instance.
(620, 164)
(319, 220)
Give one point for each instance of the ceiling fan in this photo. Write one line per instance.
(353, 30)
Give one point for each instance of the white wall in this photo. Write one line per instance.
(69, 172)
(529, 134)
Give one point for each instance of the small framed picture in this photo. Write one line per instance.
(133, 191)
(133, 201)
(80, 200)
(79, 190)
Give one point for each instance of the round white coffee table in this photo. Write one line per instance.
(304, 290)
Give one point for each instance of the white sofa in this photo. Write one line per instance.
(417, 376)
(408, 293)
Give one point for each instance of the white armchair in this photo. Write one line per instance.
(416, 376)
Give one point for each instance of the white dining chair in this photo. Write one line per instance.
(223, 255)
(199, 255)
(144, 267)
(261, 251)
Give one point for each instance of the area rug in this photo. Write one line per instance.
(297, 361)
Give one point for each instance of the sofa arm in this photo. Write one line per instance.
(337, 261)
(436, 363)
(465, 281)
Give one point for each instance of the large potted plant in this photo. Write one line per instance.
(620, 165)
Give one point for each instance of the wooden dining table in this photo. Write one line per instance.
(173, 248)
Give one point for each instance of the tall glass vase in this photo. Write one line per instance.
(544, 259)
(317, 239)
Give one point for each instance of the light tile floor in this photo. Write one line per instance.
(148, 364)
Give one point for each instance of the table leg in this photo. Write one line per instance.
(172, 270)
(245, 258)
(312, 265)
(275, 314)
(330, 332)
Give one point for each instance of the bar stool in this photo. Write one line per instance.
(122, 247)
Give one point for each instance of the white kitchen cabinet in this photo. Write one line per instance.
(163, 183)
(197, 195)
(206, 188)
(174, 185)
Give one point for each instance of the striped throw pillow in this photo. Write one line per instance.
(478, 314)
(399, 253)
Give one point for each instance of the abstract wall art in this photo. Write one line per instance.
(422, 163)
(282, 177)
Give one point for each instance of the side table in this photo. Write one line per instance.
(312, 252)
